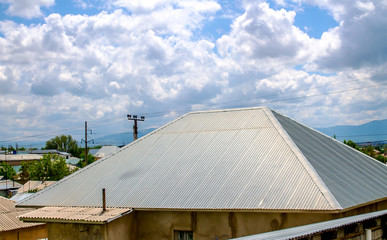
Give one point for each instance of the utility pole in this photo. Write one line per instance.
(85, 141)
(135, 119)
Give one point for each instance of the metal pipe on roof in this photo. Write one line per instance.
(103, 200)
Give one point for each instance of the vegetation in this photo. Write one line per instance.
(50, 167)
(375, 152)
(33, 190)
(81, 162)
(7, 171)
(64, 143)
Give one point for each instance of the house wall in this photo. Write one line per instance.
(225, 225)
(205, 225)
(115, 230)
(62, 231)
(31, 233)
(217, 225)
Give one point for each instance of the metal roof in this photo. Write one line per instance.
(106, 151)
(352, 177)
(311, 229)
(20, 196)
(19, 157)
(53, 151)
(75, 214)
(8, 216)
(225, 159)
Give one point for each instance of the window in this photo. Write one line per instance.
(183, 235)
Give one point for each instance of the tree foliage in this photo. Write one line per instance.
(64, 143)
(50, 167)
(351, 144)
(369, 150)
(81, 162)
(7, 171)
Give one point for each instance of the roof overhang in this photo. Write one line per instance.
(84, 215)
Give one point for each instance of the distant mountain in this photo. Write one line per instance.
(120, 139)
(375, 131)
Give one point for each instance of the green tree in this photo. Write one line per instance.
(64, 143)
(381, 158)
(81, 162)
(50, 167)
(7, 171)
(351, 144)
(369, 150)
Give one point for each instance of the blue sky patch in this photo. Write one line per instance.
(314, 21)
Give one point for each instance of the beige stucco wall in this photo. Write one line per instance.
(62, 231)
(205, 225)
(32, 233)
(117, 230)
(217, 225)
(225, 225)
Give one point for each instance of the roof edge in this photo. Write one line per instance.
(305, 163)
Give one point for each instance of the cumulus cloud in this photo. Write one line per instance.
(360, 37)
(146, 57)
(27, 8)
(264, 35)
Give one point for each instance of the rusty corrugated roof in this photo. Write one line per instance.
(75, 214)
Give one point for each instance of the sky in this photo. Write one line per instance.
(322, 63)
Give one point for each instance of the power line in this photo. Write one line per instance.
(156, 114)
(187, 108)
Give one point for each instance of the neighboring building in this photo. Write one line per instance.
(217, 175)
(105, 151)
(52, 151)
(34, 186)
(17, 159)
(93, 151)
(12, 228)
(8, 188)
(365, 226)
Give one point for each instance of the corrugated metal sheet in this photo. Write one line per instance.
(106, 151)
(352, 177)
(8, 216)
(307, 230)
(228, 159)
(20, 196)
(75, 214)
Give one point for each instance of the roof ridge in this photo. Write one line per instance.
(225, 110)
(305, 163)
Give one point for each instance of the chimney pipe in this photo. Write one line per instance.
(103, 200)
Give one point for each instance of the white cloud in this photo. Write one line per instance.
(264, 36)
(27, 8)
(76, 67)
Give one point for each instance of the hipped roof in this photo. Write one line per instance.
(238, 159)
